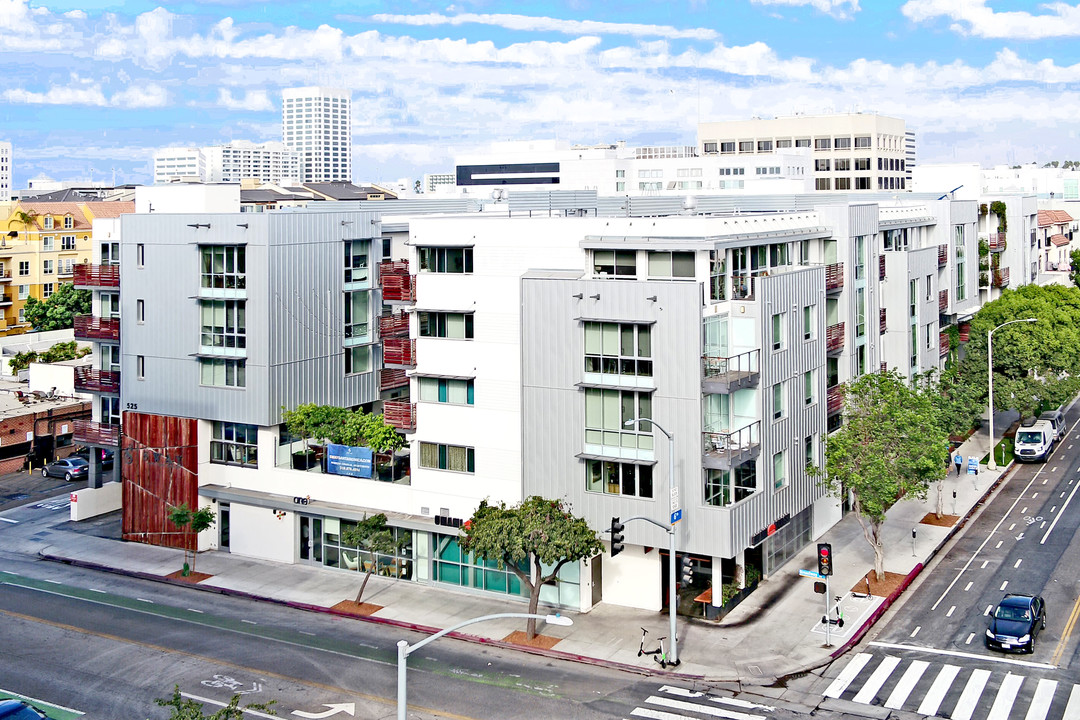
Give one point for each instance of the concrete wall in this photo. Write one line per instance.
(91, 502)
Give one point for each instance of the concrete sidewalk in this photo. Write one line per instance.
(775, 632)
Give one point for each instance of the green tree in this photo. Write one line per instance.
(373, 537)
(193, 522)
(890, 447)
(69, 350)
(958, 403)
(1074, 267)
(342, 426)
(186, 709)
(59, 310)
(540, 533)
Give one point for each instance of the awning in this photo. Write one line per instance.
(1059, 240)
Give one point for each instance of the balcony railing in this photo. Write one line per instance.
(397, 284)
(91, 327)
(5, 300)
(5, 277)
(943, 300)
(834, 399)
(400, 352)
(742, 287)
(401, 415)
(834, 277)
(1001, 278)
(834, 338)
(997, 242)
(723, 374)
(943, 343)
(881, 321)
(726, 450)
(881, 267)
(390, 378)
(394, 325)
(88, 379)
(942, 255)
(96, 276)
(87, 432)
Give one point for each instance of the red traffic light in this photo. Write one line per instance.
(824, 551)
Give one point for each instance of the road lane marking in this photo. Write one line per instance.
(1006, 696)
(968, 587)
(249, 622)
(1004, 585)
(1035, 495)
(1053, 524)
(999, 544)
(969, 639)
(54, 582)
(145, 600)
(985, 563)
(987, 610)
(1070, 624)
(1072, 710)
(949, 614)
(246, 711)
(1040, 703)
(195, 611)
(907, 684)
(936, 693)
(915, 631)
(1013, 526)
(693, 707)
(958, 654)
(968, 701)
(1062, 494)
(305, 632)
(1018, 563)
(1053, 509)
(9, 520)
(869, 691)
(95, 590)
(853, 668)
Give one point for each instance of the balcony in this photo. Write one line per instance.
(834, 400)
(88, 379)
(943, 344)
(942, 255)
(91, 327)
(397, 284)
(394, 325)
(742, 287)
(1001, 278)
(997, 242)
(5, 301)
(943, 300)
(834, 338)
(97, 276)
(727, 450)
(392, 378)
(834, 277)
(881, 267)
(87, 432)
(881, 321)
(726, 374)
(399, 352)
(5, 277)
(401, 415)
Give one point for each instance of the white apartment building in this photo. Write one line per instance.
(5, 171)
(179, 163)
(240, 160)
(850, 152)
(316, 122)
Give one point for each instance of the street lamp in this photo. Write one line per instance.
(992, 465)
(673, 596)
(404, 649)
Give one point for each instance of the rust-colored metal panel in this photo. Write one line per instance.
(159, 467)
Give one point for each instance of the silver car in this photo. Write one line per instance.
(1057, 419)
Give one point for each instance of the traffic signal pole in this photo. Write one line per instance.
(673, 577)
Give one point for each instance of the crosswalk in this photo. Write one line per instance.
(953, 691)
(675, 703)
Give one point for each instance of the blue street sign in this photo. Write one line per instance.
(973, 466)
(811, 574)
(676, 516)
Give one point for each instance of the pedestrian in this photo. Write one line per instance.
(959, 460)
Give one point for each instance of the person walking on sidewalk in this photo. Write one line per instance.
(959, 460)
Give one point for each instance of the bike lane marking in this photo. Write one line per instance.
(54, 711)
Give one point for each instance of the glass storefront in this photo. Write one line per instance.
(345, 557)
(789, 540)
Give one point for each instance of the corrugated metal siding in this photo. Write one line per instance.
(159, 469)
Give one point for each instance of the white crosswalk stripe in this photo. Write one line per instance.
(1072, 710)
(1040, 704)
(1005, 698)
(850, 671)
(907, 684)
(944, 680)
(870, 690)
(684, 704)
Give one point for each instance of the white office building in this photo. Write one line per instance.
(240, 160)
(173, 164)
(5, 171)
(316, 122)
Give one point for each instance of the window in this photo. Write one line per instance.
(47, 290)
(622, 173)
(929, 288)
(726, 487)
(783, 144)
(808, 322)
(929, 335)
(234, 444)
(862, 183)
(357, 315)
(621, 263)
(914, 345)
(140, 311)
(808, 387)
(822, 143)
(961, 265)
(764, 146)
(66, 266)
(843, 183)
(862, 164)
(842, 143)
(862, 141)
(357, 359)
(821, 165)
(777, 331)
(222, 373)
(606, 414)
(48, 243)
(446, 325)
(671, 264)
(779, 467)
(727, 147)
(616, 478)
(710, 147)
(446, 390)
(140, 367)
(446, 259)
(842, 164)
(47, 267)
(356, 261)
(618, 349)
(140, 255)
(746, 146)
(778, 400)
(822, 184)
(223, 266)
(447, 457)
(913, 295)
(802, 142)
(48, 222)
(24, 292)
(24, 267)
(809, 456)
(620, 187)
(224, 324)
(69, 222)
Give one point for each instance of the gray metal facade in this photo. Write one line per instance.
(294, 308)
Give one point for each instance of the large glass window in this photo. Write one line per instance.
(778, 400)
(615, 478)
(618, 349)
(727, 487)
(356, 261)
(671, 264)
(224, 267)
(437, 456)
(779, 470)
(860, 312)
(224, 324)
(234, 444)
(357, 359)
(615, 262)
(346, 557)
(961, 275)
(454, 566)
(446, 390)
(222, 373)
(446, 325)
(357, 315)
(446, 259)
(606, 415)
(777, 331)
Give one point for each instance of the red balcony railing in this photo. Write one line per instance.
(401, 415)
(881, 321)
(87, 432)
(390, 378)
(834, 338)
(399, 351)
(397, 284)
(91, 327)
(943, 300)
(95, 276)
(942, 255)
(834, 399)
(834, 277)
(394, 325)
(88, 379)
(881, 267)
(997, 242)
(1001, 278)
(943, 343)
(965, 331)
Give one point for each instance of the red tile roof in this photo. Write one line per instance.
(1053, 217)
(1059, 240)
(110, 209)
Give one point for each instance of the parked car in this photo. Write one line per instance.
(1034, 441)
(71, 468)
(1057, 419)
(106, 456)
(19, 710)
(1016, 623)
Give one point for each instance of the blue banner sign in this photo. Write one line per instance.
(348, 460)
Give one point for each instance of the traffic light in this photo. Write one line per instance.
(686, 571)
(616, 536)
(824, 558)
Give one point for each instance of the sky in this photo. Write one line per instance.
(88, 90)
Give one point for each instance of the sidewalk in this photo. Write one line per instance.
(776, 631)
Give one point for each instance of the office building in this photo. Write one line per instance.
(316, 122)
(233, 162)
(5, 171)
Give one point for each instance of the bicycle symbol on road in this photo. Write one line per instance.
(224, 681)
(1032, 520)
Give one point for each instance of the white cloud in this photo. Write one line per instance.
(144, 96)
(82, 91)
(252, 101)
(973, 17)
(529, 23)
(837, 8)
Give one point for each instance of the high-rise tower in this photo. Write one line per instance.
(316, 122)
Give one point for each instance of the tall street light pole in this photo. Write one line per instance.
(404, 649)
(673, 596)
(992, 464)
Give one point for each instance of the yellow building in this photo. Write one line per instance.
(40, 245)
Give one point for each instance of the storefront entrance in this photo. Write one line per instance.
(311, 537)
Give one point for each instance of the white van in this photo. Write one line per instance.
(1034, 441)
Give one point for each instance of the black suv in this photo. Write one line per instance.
(1016, 623)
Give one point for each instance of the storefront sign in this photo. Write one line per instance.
(350, 461)
(771, 530)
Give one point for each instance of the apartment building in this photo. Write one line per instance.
(5, 171)
(172, 164)
(239, 160)
(850, 151)
(317, 123)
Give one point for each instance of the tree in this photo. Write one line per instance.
(184, 709)
(342, 426)
(890, 447)
(1074, 267)
(541, 533)
(69, 350)
(958, 403)
(191, 521)
(59, 310)
(372, 536)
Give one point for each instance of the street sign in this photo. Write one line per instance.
(676, 516)
(811, 574)
(973, 466)
(674, 498)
